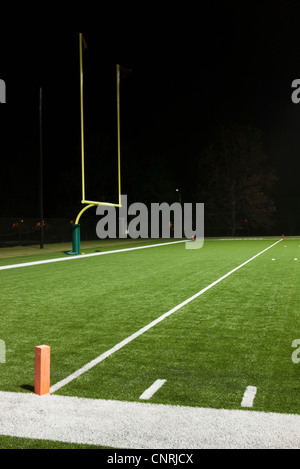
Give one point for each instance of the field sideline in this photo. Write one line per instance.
(208, 325)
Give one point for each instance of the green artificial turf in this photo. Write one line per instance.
(236, 334)
(9, 442)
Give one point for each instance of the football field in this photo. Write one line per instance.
(182, 329)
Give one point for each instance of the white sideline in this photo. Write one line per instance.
(129, 339)
(136, 425)
(82, 256)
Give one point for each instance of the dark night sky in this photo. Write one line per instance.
(192, 70)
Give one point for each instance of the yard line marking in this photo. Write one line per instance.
(153, 389)
(129, 339)
(69, 258)
(249, 396)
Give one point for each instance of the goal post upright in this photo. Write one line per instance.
(118, 129)
(81, 117)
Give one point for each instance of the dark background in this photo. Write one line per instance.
(193, 69)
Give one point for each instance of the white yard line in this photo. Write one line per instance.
(129, 339)
(153, 389)
(249, 396)
(83, 256)
(137, 425)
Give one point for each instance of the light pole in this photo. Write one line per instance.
(41, 175)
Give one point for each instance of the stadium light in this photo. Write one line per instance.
(179, 195)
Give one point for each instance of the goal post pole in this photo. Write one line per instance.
(81, 116)
(118, 130)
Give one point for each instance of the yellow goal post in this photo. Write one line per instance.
(92, 203)
(84, 200)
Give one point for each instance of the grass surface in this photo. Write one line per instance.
(8, 442)
(236, 334)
